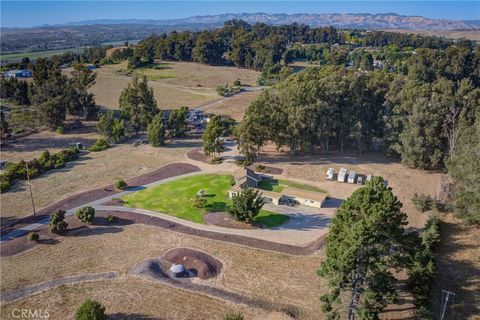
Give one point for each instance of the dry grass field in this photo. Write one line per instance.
(257, 274)
(175, 84)
(233, 107)
(451, 34)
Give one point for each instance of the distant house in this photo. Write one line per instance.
(17, 74)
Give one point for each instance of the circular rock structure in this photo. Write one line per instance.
(198, 263)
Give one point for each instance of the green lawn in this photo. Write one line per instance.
(175, 198)
(277, 185)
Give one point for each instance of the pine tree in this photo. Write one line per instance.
(246, 204)
(156, 131)
(211, 137)
(366, 241)
(138, 104)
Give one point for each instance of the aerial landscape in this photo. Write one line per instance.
(240, 160)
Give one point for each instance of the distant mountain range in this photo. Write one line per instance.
(95, 32)
(358, 21)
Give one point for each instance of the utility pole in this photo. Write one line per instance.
(30, 189)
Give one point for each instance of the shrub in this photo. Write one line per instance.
(5, 183)
(85, 214)
(423, 202)
(199, 202)
(121, 184)
(100, 144)
(56, 224)
(90, 310)
(46, 160)
(259, 168)
(237, 83)
(60, 130)
(233, 316)
(111, 219)
(33, 236)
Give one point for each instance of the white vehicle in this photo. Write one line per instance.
(330, 173)
(352, 176)
(342, 175)
(360, 180)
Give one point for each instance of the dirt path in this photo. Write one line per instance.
(11, 295)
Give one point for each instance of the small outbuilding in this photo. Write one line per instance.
(177, 270)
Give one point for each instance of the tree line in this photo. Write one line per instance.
(426, 117)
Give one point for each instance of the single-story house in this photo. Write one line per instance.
(303, 197)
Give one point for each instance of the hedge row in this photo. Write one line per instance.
(422, 270)
(47, 161)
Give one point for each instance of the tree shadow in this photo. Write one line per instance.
(216, 206)
(95, 231)
(48, 241)
(331, 202)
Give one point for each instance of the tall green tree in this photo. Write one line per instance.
(81, 101)
(112, 128)
(246, 204)
(53, 112)
(138, 104)
(211, 137)
(464, 167)
(156, 131)
(365, 243)
(177, 121)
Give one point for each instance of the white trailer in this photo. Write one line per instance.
(330, 173)
(342, 175)
(352, 176)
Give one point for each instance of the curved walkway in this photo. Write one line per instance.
(11, 295)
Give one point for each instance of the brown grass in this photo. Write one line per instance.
(266, 275)
(185, 84)
(233, 106)
(452, 34)
(458, 268)
(130, 298)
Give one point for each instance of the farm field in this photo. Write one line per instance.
(175, 84)
(175, 198)
(17, 56)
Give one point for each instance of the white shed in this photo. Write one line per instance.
(342, 175)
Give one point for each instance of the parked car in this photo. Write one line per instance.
(330, 173)
(360, 180)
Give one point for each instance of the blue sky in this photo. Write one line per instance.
(21, 13)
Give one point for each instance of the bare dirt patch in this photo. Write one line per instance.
(198, 155)
(200, 263)
(223, 219)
